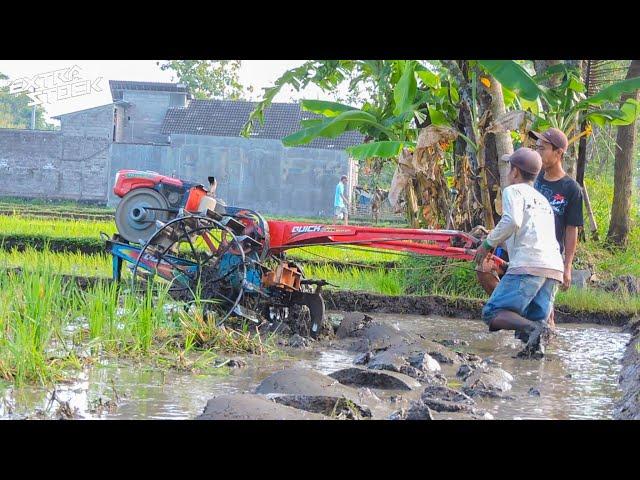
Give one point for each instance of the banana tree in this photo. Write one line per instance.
(564, 102)
(405, 95)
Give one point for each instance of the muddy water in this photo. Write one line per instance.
(577, 380)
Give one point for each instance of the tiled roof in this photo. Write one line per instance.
(117, 86)
(225, 118)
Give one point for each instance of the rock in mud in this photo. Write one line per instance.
(236, 363)
(351, 323)
(470, 358)
(452, 342)
(488, 382)
(404, 355)
(335, 319)
(464, 371)
(333, 407)
(482, 416)
(309, 383)
(424, 377)
(416, 411)
(297, 341)
(252, 407)
(444, 399)
(441, 353)
(389, 359)
(534, 392)
(362, 359)
(424, 362)
(368, 334)
(384, 380)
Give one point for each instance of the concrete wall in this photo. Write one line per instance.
(95, 122)
(144, 116)
(52, 165)
(254, 173)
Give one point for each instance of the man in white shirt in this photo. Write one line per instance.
(524, 298)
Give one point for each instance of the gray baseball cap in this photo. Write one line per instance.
(525, 159)
(554, 136)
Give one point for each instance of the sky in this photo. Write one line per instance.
(257, 73)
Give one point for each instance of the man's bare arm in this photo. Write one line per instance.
(570, 242)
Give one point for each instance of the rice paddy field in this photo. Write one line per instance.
(50, 328)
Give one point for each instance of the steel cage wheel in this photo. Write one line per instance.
(209, 225)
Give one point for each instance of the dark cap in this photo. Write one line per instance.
(554, 136)
(525, 159)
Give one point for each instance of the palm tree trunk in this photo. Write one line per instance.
(623, 178)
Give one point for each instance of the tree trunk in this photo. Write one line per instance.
(504, 144)
(571, 158)
(541, 66)
(491, 100)
(623, 179)
(412, 205)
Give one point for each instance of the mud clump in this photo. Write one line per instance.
(487, 381)
(236, 363)
(416, 411)
(303, 382)
(362, 377)
(444, 399)
(453, 342)
(628, 407)
(339, 408)
(252, 407)
(297, 341)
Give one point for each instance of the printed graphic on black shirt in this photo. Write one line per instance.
(565, 198)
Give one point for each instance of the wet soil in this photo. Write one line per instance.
(448, 306)
(628, 407)
(577, 379)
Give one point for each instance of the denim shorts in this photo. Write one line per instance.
(529, 296)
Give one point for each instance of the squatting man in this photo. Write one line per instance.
(524, 298)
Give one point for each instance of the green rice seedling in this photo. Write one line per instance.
(65, 263)
(32, 317)
(100, 305)
(387, 282)
(593, 300)
(345, 254)
(55, 228)
(201, 331)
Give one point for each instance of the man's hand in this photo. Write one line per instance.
(566, 279)
(481, 254)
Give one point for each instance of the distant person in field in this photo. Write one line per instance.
(341, 203)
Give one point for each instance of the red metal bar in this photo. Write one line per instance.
(443, 243)
(284, 235)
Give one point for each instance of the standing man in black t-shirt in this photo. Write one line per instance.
(564, 195)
